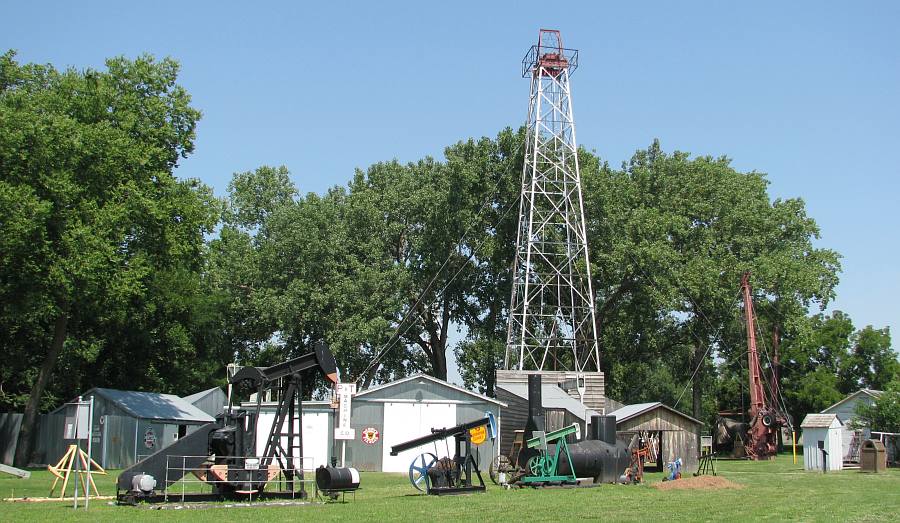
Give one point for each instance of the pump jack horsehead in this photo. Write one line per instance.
(765, 419)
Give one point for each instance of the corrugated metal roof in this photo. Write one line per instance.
(552, 397)
(430, 378)
(200, 395)
(868, 392)
(630, 411)
(819, 421)
(152, 405)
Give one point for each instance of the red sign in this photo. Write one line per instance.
(370, 435)
(149, 439)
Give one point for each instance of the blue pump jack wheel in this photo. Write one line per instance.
(418, 471)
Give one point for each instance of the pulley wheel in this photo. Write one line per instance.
(418, 471)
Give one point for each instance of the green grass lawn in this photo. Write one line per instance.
(777, 490)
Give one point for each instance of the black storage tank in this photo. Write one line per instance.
(337, 479)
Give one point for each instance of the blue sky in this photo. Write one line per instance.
(808, 92)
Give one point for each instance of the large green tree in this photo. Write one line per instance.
(383, 269)
(670, 237)
(824, 358)
(102, 243)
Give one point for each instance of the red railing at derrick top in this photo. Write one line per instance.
(549, 57)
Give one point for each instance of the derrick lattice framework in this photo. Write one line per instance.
(552, 319)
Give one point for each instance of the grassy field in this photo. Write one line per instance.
(775, 490)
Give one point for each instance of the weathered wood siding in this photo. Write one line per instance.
(595, 394)
(680, 435)
(512, 418)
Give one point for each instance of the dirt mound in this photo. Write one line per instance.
(698, 483)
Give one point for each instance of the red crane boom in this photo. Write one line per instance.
(765, 420)
(757, 394)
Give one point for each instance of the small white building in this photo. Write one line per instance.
(822, 432)
(846, 412)
(385, 415)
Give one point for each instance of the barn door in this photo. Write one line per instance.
(406, 421)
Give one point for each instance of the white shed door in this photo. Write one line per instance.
(406, 421)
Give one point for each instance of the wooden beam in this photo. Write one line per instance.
(24, 474)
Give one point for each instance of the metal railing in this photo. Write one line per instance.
(293, 479)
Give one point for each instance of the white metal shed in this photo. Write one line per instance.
(822, 432)
(393, 412)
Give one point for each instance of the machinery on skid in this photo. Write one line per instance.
(449, 475)
(223, 453)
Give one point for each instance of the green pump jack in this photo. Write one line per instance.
(544, 468)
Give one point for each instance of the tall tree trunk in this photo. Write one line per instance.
(440, 349)
(696, 363)
(23, 445)
(437, 355)
(436, 346)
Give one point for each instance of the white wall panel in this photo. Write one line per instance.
(315, 436)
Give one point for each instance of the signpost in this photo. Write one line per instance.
(343, 431)
(79, 426)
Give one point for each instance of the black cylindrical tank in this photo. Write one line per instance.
(596, 459)
(337, 478)
(603, 428)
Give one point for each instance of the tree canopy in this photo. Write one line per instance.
(102, 247)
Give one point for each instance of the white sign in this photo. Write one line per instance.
(345, 392)
(344, 433)
(77, 423)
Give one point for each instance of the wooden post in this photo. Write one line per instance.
(71, 461)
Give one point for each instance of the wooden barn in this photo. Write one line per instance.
(211, 401)
(673, 434)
